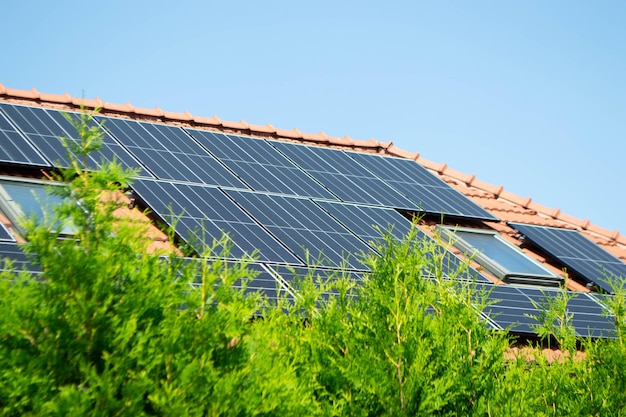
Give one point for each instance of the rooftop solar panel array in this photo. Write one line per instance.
(260, 281)
(43, 128)
(298, 208)
(577, 253)
(369, 222)
(295, 276)
(587, 315)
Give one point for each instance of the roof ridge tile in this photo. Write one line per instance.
(320, 137)
(122, 108)
(64, 98)
(213, 120)
(395, 151)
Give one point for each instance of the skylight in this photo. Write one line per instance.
(19, 199)
(504, 260)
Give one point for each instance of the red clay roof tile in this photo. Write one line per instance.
(320, 137)
(212, 121)
(395, 151)
(268, 128)
(290, 134)
(64, 98)
(121, 108)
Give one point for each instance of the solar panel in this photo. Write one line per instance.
(169, 153)
(587, 316)
(577, 253)
(260, 281)
(17, 258)
(343, 176)
(14, 148)
(5, 235)
(260, 165)
(428, 192)
(200, 215)
(44, 127)
(293, 276)
(369, 222)
(304, 227)
(110, 151)
(509, 308)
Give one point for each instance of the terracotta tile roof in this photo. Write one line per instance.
(505, 205)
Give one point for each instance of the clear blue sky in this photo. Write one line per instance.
(527, 94)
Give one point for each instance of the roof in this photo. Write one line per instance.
(495, 199)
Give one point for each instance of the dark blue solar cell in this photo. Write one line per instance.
(45, 127)
(255, 278)
(509, 308)
(293, 276)
(577, 253)
(110, 151)
(369, 223)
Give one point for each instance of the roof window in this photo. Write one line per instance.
(501, 258)
(25, 198)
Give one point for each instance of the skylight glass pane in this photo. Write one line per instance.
(506, 256)
(26, 199)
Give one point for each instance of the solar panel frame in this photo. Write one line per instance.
(576, 252)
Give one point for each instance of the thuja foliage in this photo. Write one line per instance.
(111, 328)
